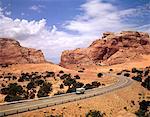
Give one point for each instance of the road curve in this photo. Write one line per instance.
(28, 105)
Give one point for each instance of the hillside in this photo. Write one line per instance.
(13, 53)
(111, 49)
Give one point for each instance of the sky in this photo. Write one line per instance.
(57, 25)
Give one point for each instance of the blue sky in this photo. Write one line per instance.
(57, 25)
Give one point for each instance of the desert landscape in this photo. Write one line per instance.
(74, 58)
(25, 74)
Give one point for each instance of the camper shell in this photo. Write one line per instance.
(80, 90)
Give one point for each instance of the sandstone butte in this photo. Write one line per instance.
(111, 49)
(11, 52)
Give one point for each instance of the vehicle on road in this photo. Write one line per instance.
(80, 90)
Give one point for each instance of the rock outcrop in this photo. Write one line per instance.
(111, 49)
(11, 52)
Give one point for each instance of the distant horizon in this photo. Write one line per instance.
(57, 25)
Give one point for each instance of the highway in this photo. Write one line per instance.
(28, 105)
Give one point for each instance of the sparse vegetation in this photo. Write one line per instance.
(143, 109)
(81, 71)
(14, 92)
(77, 77)
(59, 93)
(94, 84)
(94, 113)
(126, 74)
(44, 90)
(61, 72)
(99, 75)
(146, 83)
(61, 86)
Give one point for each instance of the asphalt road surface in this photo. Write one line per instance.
(28, 105)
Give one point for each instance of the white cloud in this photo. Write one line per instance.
(8, 13)
(36, 8)
(97, 17)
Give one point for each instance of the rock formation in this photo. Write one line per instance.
(111, 49)
(11, 52)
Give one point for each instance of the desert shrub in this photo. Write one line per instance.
(57, 75)
(14, 77)
(61, 86)
(78, 84)
(7, 77)
(44, 89)
(142, 112)
(64, 76)
(146, 83)
(50, 74)
(5, 91)
(99, 75)
(31, 85)
(20, 79)
(80, 71)
(61, 71)
(96, 84)
(103, 84)
(88, 86)
(31, 95)
(55, 116)
(77, 77)
(137, 78)
(134, 70)
(110, 69)
(59, 93)
(10, 98)
(146, 72)
(39, 82)
(94, 113)
(119, 73)
(15, 92)
(3, 85)
(69, 81)
(132, 101)
(126, 74)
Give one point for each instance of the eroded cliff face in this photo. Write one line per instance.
(11, 52)
(113, 48)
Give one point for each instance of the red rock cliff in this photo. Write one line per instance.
(12, 52)
(111, 49)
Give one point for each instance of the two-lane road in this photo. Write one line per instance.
(27, 105)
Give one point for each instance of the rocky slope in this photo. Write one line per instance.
(111, 49)
(11, 52)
